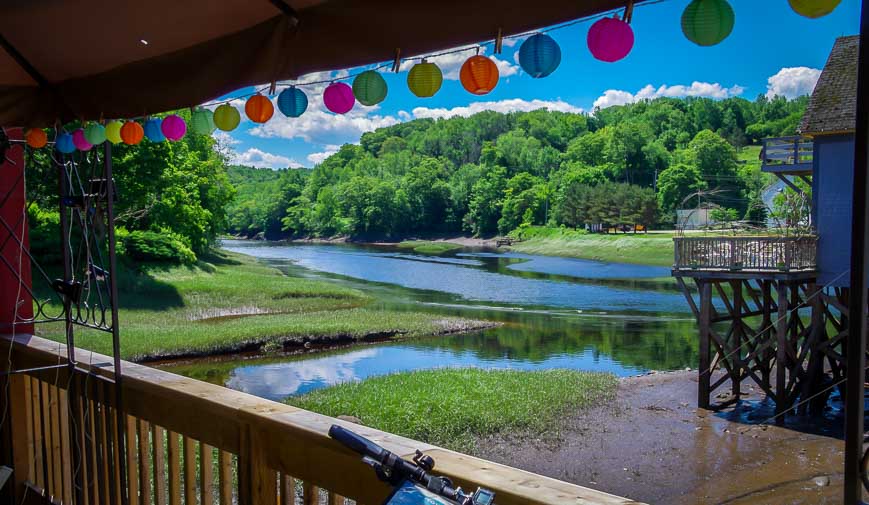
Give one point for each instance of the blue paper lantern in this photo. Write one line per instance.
(154, 131)
(292, 102)
(64, 143)
(539, 55)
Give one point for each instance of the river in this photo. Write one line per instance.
(556, 313)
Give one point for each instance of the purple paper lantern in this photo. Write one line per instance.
(173, 127)
(610, 39)
(79, 140)
(339, 98)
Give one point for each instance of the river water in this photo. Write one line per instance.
(556, 313)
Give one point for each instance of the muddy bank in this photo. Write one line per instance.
(653, 445)
(314, 343)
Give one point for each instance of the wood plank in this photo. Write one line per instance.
(335, 499)
(224, 466)
(705, 336)
(173, 453)
(20, 423)
(117, 479)
(310, 494)
(48, 443)
(189, 471)
(288, 490)
(102, 426)
(36, 409)
(27, 383)
(158, 440)
(206, 474)
(132, 461)
(144, 436)
(65, 447)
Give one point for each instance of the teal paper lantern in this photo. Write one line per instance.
(153, 131)
(539, 55)
(292, 102)
(95, 134)
(202, 122)
(369, 88)
(707, 22)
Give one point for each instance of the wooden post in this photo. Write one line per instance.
(781, 357)
(257, 484)
(15, 437)
(705, 358)
(736, 339)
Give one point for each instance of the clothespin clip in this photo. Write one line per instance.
(499, 42)
(629, 12)
(396, 63)
(273, 88)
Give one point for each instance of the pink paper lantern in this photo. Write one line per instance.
(173, 127)
(79, 140)
(339, 98)
(610, 39)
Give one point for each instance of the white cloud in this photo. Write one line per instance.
(509, 105)
(317, 158)
(791, 82)
(450, 64)
(224, 138)
(254, 157)
(613, 97)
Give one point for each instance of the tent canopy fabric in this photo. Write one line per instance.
(88, 59)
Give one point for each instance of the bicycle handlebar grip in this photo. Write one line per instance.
(357, 443)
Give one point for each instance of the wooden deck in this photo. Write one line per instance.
(752, 256)
(788, 156)
(259, 451)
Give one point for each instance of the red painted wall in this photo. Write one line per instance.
(12, 212)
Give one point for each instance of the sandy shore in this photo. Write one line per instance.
(653, 445)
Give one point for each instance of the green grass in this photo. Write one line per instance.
(427, 247)
(232, 301)
(641, 248)
(454, 407)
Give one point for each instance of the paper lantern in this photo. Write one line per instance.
(369, 88)
(113, 132)
(64, 143)
(36, 138)
(202, 121)
(173, 127)
(425, 79)
(707, 22)
(292, 102)
(479, 75)
(610, 39)
(132, 133)
(259, 108)
(153, 130)
(226, 117)
(539, 55)
(339, 98)
(95, 134)
(814, 8)
(79, 140)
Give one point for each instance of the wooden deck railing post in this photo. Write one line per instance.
(15, 436)
(257, 483)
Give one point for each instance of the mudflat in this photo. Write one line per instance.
(653, 445)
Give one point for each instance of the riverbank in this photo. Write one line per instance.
(231, 303)
(653, 248)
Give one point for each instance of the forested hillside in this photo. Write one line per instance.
(492, 172)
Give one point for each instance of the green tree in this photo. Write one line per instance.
(676, 184)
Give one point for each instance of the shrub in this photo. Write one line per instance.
(44, 232)
(163, 246)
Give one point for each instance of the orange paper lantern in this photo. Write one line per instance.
(36, 138)
(132, 133)
(479, 75)
(259, 108)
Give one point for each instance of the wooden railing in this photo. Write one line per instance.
(196, 443)
(746, 253)
(784, 152)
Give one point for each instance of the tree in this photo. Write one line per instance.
(484, 209)
(676, 184)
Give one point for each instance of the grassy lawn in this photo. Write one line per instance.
(641, 248)
(455, 407)
(231, 301)
(427, 247)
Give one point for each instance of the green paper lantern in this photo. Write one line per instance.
(814, 8)
(369, 88)
(425, 79)
(226, 117)
(707, 22)
(95, 134)
(113, 132)
(202, 121)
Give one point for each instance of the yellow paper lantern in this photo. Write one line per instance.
(425, 79)
(814, 8)
(226, 117)
(113, 132)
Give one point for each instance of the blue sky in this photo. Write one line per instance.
(772, 50)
